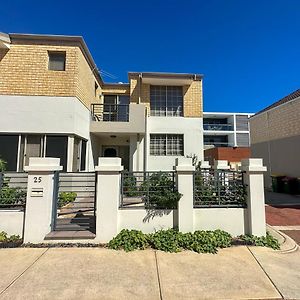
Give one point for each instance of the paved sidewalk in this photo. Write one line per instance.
(93, 273)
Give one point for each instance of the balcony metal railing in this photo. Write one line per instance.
(110, 112)
(221, 127)
(217, 144)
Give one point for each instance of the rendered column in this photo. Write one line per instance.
(254, 180)
(40, 198)
(108, 197)
(185, 184)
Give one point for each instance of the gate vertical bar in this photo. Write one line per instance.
(55, 199)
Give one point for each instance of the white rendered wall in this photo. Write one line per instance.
(141, 219)
(11, 221)
(192, 130)
(232, 220)
(41, 114)
(47, 115)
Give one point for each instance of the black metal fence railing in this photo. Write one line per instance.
(219, 188)
(75, 208)
(110, 112)
(150, 190)
(219, 127)
(13, 189)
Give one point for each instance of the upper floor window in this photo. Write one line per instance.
(166, 100)
(57, 61)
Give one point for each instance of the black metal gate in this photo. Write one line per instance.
(75, 202)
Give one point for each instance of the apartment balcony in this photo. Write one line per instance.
(218, 127)
(118, 118)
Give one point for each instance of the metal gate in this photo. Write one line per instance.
(74, 208)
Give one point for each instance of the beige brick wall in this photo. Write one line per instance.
(116, 89)
(24, 71)
(192, 97)
(280, 122)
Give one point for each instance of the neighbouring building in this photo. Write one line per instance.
(54, 103)
(275, 137)
(226, 136)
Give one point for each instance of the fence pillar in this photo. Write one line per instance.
(185, 185)
(254, 180)
(108, 197)
(40, 198)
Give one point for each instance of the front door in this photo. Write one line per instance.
(110, 152)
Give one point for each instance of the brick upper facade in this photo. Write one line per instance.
(24, 71)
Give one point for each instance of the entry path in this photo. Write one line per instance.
(95, 273)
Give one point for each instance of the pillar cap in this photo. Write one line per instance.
(43, 164)
(184, 164)
(221, 165)
(109, 164)
(253, 165)
(204, 164)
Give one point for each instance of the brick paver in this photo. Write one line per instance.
(283, 215)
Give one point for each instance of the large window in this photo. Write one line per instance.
(166, 144)
(57, 146)
(9, 151)
(166, 100)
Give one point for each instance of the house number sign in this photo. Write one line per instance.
(37, 179)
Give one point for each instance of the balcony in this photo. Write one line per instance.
(110, 112)
(217, 144)
(118, 118)
(218, 127)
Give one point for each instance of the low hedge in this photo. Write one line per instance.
(7, 241)
(172, 240)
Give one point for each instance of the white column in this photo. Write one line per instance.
(108, 197)
(70, 153)
(40, 198)
(254, 181)
(185, 184)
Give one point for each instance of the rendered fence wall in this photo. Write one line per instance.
(12, 221)
(147, 220)
(232, 220)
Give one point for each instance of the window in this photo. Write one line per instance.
(57, 61)
(166, 144)
(166, 100)
(83, 156)
(57, 146)
(9, 151)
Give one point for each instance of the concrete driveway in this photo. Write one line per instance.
(95, 273)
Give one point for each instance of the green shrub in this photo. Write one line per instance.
(165, 240)
(162, 193)
(130, 188)
(129, 240)
(66, 198)
(2, 165)
(4, 238)
(267, 241)
(11, 195)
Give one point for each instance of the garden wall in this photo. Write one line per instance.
(232, 220)
(147, 220)
(12, 221)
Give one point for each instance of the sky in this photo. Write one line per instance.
(248, 51)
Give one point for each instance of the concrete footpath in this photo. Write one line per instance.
(95, 273)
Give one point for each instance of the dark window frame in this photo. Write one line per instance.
(54, 65)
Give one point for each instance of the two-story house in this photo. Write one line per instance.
(54, 103)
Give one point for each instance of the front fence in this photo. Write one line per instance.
(74, 207)
(149, 190)
(13, 189)
(219, 188)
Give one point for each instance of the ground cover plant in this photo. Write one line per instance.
(172, 240)
(7, 241)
